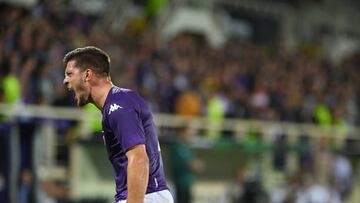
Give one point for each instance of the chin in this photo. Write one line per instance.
(80, 104)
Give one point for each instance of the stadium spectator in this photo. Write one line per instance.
(235, 190)
(184, 165)
(294, 86)
(341, 175)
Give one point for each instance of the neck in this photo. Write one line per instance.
(99, 93)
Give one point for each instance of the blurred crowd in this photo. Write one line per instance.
(184, 76)
(299, 187)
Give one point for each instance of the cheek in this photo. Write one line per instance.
(76, 83)
(81, 88)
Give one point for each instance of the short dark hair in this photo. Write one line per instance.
(90, 57)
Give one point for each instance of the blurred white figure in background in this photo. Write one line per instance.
(341, 175)
(321, 194)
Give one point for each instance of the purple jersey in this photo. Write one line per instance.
(127, 121)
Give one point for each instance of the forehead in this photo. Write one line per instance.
(71, 66)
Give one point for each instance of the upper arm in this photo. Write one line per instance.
(127, 127)
(137, 153)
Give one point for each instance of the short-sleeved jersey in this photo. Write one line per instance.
(127, 121)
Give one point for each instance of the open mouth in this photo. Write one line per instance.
(69, 89)
(72, 94)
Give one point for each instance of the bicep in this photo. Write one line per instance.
(137, 154)
(128, 128)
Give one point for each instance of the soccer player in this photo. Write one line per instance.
(128, 129)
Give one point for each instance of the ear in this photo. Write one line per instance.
(88, 74)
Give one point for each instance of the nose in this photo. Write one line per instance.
(65, 81)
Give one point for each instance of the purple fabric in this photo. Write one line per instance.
(127, 122)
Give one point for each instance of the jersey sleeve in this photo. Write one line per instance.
(127, 127)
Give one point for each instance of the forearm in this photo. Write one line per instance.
(137, 178)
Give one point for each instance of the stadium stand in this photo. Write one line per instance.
(258, 96)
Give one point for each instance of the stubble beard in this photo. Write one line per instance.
(81, 101)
